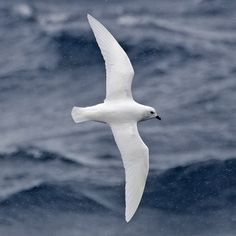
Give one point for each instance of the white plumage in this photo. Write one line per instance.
(122, 113)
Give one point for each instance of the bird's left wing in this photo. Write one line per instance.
(135, 157)
(119, 71)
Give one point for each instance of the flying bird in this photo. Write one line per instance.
(121, 112)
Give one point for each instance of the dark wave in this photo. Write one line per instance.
(36, 155)
(75, 50)
(66, 196)
(198, 187)
(82, 49)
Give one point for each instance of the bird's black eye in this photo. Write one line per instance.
(152, 112)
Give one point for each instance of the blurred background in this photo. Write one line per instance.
(59, 178)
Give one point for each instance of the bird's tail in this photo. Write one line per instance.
(78, 114)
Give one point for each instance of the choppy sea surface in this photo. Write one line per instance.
(58, 178)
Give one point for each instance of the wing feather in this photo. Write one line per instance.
(119, 71)
(135, 157)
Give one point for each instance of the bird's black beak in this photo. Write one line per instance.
(158, 117)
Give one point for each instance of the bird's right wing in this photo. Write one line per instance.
(119, 71)
(135, 157)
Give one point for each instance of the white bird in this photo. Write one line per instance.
(121, 113)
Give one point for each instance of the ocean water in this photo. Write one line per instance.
(59, 178)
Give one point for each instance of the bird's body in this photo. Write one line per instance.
(112, 112)
(121, 112)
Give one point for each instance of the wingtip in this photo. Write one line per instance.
(128, 217)
(89, 17)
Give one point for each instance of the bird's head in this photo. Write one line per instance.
(150, 113)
